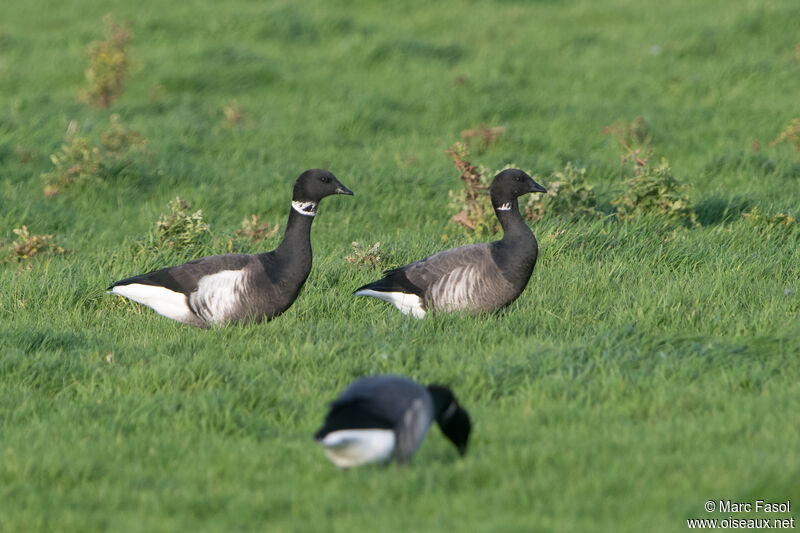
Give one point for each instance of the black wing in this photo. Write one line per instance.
(394, 280)
(375, 402)
(184, 278)
(357, 413)
(419, 276)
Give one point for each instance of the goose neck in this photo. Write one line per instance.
(511, 220)
(297, 237)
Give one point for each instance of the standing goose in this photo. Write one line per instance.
(239, 287)
(475, 277)
(379, 417)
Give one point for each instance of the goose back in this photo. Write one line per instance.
(391, 403)
(475, 277)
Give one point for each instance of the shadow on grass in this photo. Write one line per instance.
(718, 210)
(44, 340)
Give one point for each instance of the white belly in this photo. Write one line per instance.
(218, 295)
(406, 303)
(355, 447)
(163, 301)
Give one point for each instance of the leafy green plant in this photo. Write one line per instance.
(790, 135)
(179, 228)
(631, 135)
(568, 194)
(768, 224)
(256, 230)
(653, 190)
(77, 162)
(635, 141)
(474, 211)
(486, 135)
(119, 140)
(109, 63)
(233, 113)
(27, 246)
(372, 257)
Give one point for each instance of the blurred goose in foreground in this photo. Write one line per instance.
(377, 418)
(239, 287)
(475, 277)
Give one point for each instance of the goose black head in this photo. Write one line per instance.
(315, 184)
(510, 184)
(453, 419)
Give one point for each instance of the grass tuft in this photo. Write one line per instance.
(568, 194)
(109, 63)
(255, 230)
(372, 257)
(654, 191)
(791, 135)
(80, 163)
(77, 163)
(28, 245)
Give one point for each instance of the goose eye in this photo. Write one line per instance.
(325, 179)
(517, 178)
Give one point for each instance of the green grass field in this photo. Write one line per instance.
(644, 371)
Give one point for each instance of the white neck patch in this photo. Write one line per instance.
(505, 207)
(308, 209)
(447, 413)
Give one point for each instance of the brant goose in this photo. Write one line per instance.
(476, 277)
(380, 417)
(239, 287)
